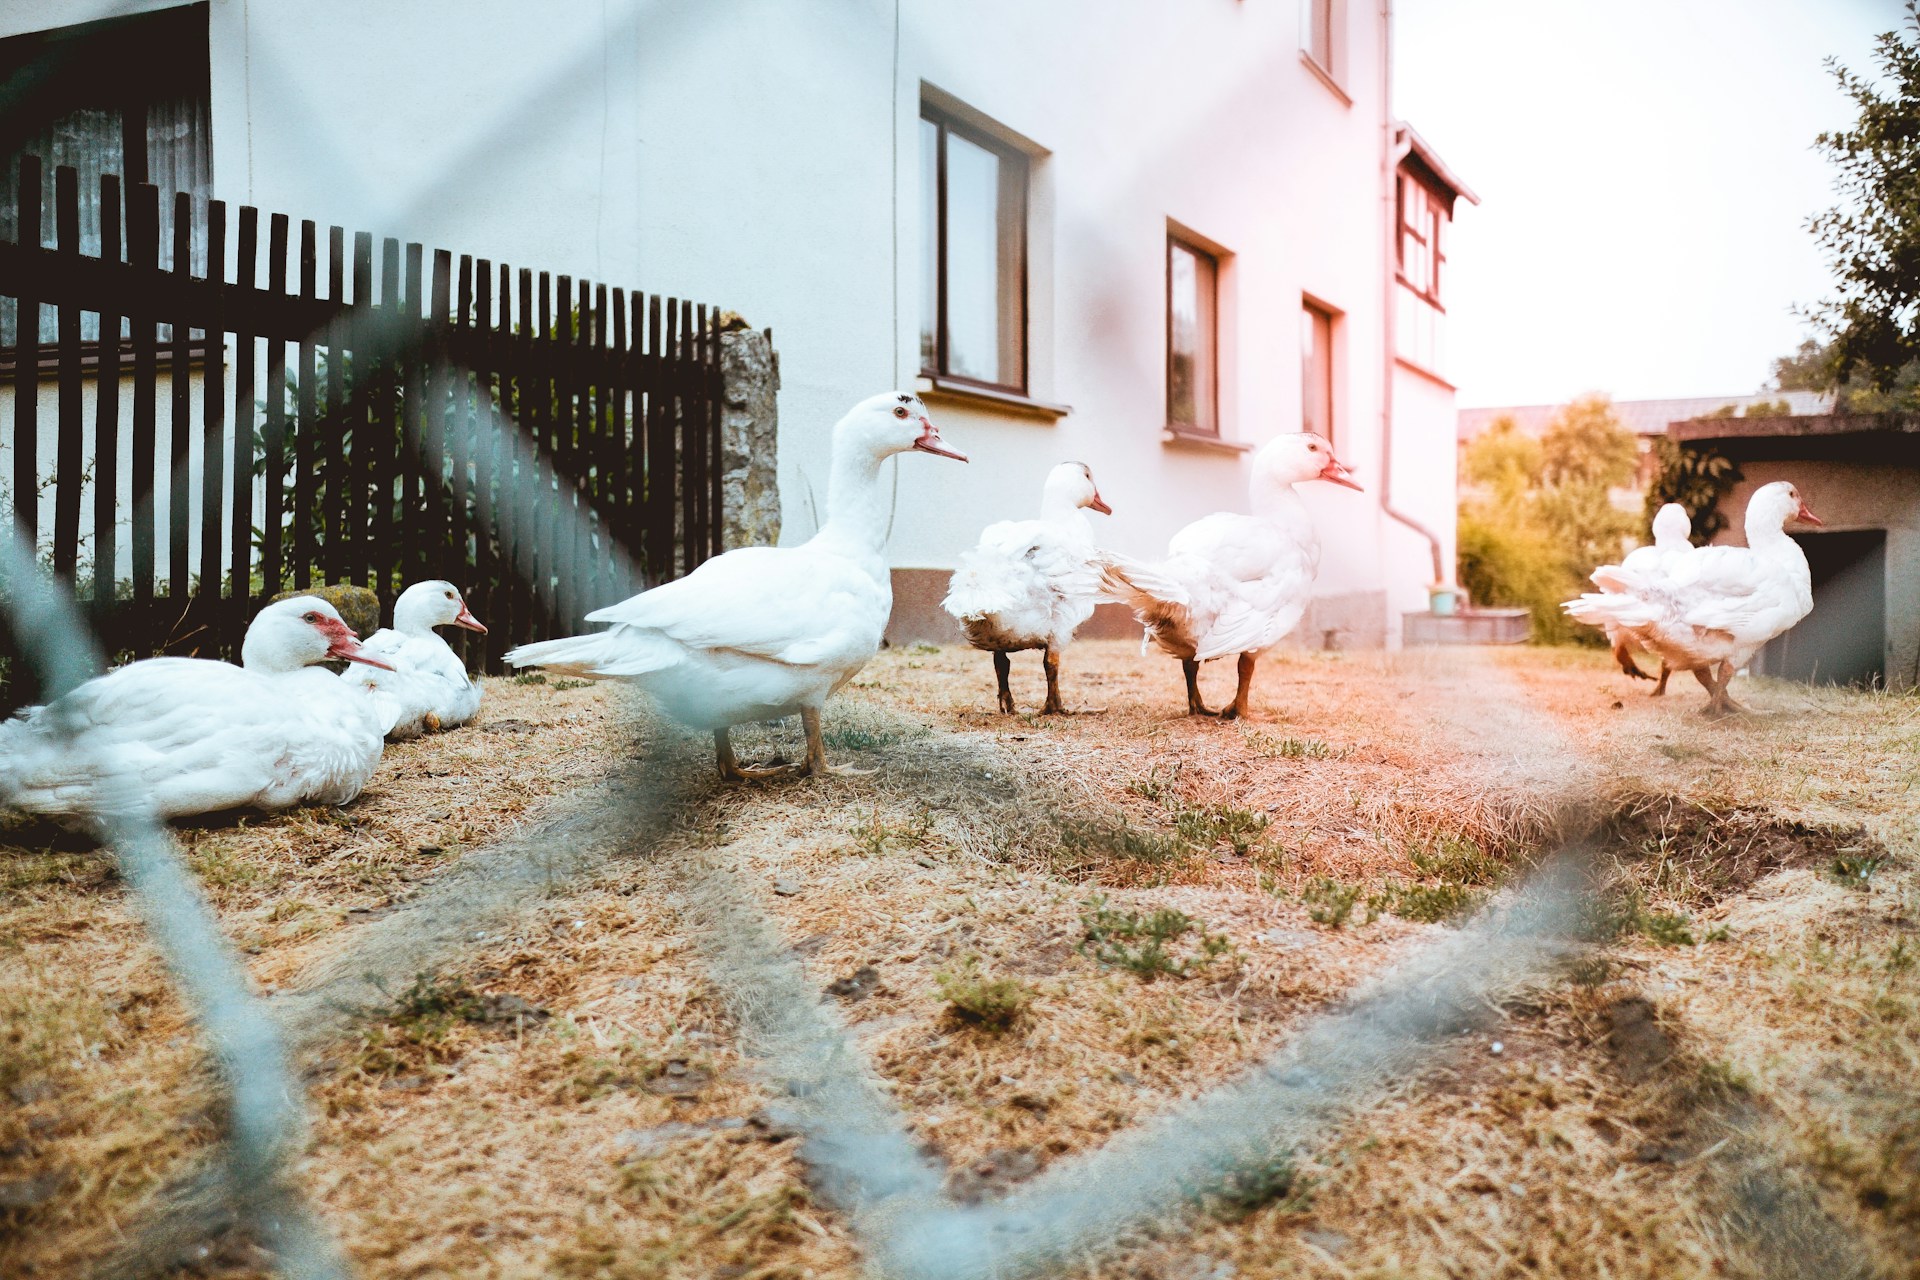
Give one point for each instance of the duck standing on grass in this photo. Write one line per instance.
(1234, 583)
(1029, 584)
(1711, 609)
(763, 632)
(426, 687)
(1672, 529)
(198, 736)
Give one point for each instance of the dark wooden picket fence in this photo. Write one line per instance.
(550, 445)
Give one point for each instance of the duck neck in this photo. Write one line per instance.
(856, 504)
(268, 657)
(1281, 504)
(410, 619)
(1771, 539)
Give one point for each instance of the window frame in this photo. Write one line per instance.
(1315, 318)
(1425, 229)
(1204, 253)
(946, 122)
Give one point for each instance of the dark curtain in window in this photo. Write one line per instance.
(127, 96)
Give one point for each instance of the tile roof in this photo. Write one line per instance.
(1642, 417)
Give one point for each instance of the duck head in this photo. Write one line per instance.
(1070, 487)
(1299, 456)
(890, 423)
(298, 632)
(1773, 505)
(1672, 527)
(426, 605)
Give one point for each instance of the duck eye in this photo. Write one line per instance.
(900, 412)
(310, 617)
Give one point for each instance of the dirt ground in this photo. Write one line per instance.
(1041, 931)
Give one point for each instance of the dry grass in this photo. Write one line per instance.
(601, 1128)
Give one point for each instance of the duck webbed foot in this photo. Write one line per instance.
(731, 770)
(1241, 709)
(1628, 665)
(816, 764)
(1195, 707)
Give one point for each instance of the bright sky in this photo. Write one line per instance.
(1645, 170)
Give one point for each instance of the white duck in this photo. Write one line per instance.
(196, 736)
(1234, 583)
(427, 688)
(1029, 584)
(1672, 530)
(1710, 610)
(763, 632)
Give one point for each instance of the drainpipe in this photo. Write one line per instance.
(1391, 154)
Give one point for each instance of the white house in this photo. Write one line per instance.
(1140, 234)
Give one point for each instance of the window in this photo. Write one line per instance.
(127, 96)
(1193, 339)
(1316, 370)
(1321, 37)
(1423, 222)
(973, 320)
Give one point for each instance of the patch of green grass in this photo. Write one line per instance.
(1722, 1079)
(1329, 902)
(561, 686)
(923, 647)
(1277, 748)
(1426, 904)
(1119, 838)
(527, 678)
(851, 737)
(993, 1004)
(1206, 826)
(1854, 870)
(873, 834)
(1276, 1181)
(1459, 860)
(1664, 927)
(1899, 959)
(1149, 944)
(415, 1028)
(1157, 786)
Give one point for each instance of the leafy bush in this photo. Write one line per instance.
(1541, 517)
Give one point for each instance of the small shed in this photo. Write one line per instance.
(1860, 473)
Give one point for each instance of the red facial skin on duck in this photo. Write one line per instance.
(343, 643)
(929, 442)
(466, 619)
(1336, 472)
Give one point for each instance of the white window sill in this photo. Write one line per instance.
(1177, 438)
(961, 393)
(1325, 77)
(1414, 366)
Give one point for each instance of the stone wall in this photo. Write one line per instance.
(749, 439)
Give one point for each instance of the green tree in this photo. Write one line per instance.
(1547, 517)
(1872, 237)
(1697, 478)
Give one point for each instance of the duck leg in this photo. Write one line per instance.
(731, 770)
(1627, 664)
(1195, 707)
(1726, 701)
(1002, 665)
(1661, 687)
(1053, 707)
(817, 749)
(1240, 694)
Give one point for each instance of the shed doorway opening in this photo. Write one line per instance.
(1844, 640)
